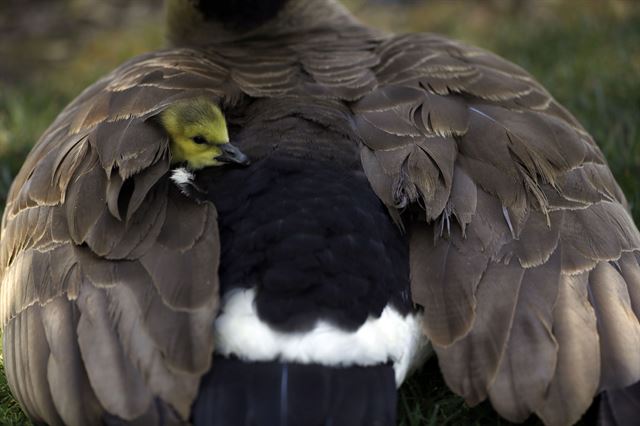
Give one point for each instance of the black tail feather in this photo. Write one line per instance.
(284, 394)
(620, 407)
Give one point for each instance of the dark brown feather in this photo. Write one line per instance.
(73, 396)
(444, 282)
(577, 370)
(630, 268)
(618, 327)
(470, 365)
(118, 384)
(531, 346)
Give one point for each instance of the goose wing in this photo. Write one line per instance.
(524, 255)
(109, 274)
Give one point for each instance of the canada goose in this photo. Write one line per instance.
(518, 249)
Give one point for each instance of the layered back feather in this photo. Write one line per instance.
(522, 251)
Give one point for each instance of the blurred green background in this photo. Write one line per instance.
(586, 52)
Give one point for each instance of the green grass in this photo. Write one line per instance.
(586, 52)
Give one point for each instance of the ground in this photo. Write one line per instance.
(586, 52)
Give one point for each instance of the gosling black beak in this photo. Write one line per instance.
(231, 154)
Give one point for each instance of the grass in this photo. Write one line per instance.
(587, 53)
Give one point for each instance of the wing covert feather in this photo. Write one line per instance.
(92, 305)
(534, 200)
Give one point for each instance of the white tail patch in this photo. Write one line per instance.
(391, 337)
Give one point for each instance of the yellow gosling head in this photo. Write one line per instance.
(198, 135)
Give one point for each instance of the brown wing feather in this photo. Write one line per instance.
(531, 340)
(470, 364)
(72, 393)
(108, 293)
(618, 327)
(455, 277)
(534, 200)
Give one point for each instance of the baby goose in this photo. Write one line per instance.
(198, 138)
(199, 135)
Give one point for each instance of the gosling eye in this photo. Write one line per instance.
(199, 140)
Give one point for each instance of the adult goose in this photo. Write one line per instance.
(403, 189)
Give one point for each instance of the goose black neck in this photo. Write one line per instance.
(241, 14)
